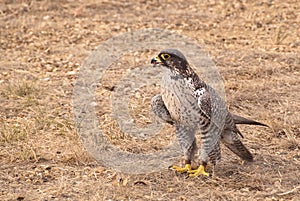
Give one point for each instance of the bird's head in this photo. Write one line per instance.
(172, 59)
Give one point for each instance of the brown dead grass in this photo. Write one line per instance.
(256, 45)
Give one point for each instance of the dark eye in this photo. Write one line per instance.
(165, 56)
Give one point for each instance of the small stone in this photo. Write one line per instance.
(47, 17)
(71, 73)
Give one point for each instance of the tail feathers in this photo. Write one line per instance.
(242, 120)
(232, 142)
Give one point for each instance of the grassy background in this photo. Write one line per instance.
(255, 44)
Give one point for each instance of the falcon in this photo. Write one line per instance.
(191, 105)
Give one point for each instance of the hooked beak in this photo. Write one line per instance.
(156, 61)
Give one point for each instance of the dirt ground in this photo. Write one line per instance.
(43, 43)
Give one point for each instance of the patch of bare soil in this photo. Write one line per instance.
(256, 47)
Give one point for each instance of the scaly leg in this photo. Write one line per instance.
(214, 155)
(197, 172)
(186, 168)
(187, 141)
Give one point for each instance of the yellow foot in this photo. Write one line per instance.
(184, 169)
(197, 172)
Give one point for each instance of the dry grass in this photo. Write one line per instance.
(256, 46)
